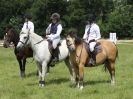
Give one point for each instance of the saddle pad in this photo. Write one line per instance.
(97, 48)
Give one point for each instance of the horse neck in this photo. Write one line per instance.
(34, 39)
(78, 46)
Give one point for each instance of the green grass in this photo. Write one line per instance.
(58, 86)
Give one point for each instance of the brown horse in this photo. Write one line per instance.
(79, 57)
(13, 36)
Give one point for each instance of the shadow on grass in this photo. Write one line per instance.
(57, 81)
(54, 81)
(86, 83)
(33, 84)
(95, 82)
(31, 74)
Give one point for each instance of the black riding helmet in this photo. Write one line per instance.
(91, 18)
(28, 16)
(55, 16)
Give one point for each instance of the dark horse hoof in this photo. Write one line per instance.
(22, 74)
(41, 83)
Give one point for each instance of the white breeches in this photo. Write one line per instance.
(55, 42)
(92, 45)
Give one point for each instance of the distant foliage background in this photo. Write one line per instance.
(111, 15)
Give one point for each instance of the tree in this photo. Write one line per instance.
(121, 22)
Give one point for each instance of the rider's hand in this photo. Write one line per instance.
(47, 36)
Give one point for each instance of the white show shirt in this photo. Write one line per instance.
(57, 34)
(94, 32)
(28, 25)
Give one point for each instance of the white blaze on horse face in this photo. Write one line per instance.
(70, 43)
(22, 40)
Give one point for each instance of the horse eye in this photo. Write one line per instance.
(67, 40)
(25, 37)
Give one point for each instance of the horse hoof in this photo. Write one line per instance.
(78, 85)
(22, 75)
(112, 83)
(41, 83)
(72, 80)
(81, 87)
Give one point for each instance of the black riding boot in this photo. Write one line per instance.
(92, 58)
(55, 56)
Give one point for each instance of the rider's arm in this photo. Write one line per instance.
(31, 27)
(98, 34)
(48, 29)
(85, 34)
(24, 26)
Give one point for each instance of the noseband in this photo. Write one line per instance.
(69, 44)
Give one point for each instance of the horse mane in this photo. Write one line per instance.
(11, 28)
(36, 36)
(73, 34)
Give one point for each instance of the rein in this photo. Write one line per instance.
(39, 42)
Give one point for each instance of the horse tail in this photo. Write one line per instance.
(117, 54)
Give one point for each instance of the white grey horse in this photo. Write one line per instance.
(41, 52)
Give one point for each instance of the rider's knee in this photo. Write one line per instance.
(91, 49)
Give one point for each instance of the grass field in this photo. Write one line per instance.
(58, 86)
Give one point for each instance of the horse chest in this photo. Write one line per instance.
(41, 56)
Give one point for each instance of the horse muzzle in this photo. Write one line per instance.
(71, 49)
(19, 46)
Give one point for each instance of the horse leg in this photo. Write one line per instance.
(44, 71)
(81, 75)
(39, 72)
(23, 67)
(71, 70)
(20, 66)
(48, 69)
(111, 69)
(76, 71)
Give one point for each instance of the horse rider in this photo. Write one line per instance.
(53, 32)
(91, 35)
(28, 24)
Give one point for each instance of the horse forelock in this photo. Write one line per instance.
(72, 34)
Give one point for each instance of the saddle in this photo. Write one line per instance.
(50, 47)
(97, 49)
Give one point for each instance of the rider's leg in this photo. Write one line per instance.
(92, 53)
(56, 50)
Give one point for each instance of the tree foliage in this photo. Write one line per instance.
(111, 15)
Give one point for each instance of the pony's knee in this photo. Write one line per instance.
(92, 45)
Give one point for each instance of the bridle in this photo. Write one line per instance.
(70, 44)
(24, 43)
(78, 56)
